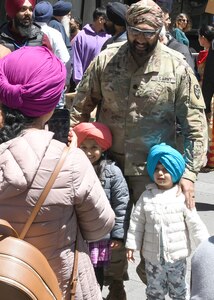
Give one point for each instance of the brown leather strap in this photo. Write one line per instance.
(44, 193)
(6, 229)
(74, 276)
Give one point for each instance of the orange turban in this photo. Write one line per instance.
(96, 131)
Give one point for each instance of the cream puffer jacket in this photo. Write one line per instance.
(26, 163)
(158, 211)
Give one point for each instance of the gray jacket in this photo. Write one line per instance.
(117, 192)
(181, 48)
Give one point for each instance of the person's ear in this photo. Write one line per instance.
(102, 20)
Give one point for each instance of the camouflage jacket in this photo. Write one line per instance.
(141, 105)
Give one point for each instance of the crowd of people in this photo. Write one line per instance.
(138, 139)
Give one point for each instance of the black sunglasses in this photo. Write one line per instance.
(183, 20)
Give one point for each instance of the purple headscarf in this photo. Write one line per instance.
(31, 80)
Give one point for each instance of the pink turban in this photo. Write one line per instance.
(31, 80)
(96, 131)
(147, 12)
(12, 7)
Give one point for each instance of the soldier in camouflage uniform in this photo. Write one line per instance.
(141, 88)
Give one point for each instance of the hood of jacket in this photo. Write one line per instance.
(90, 31)
(20, 159)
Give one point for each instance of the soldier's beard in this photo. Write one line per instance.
(148, 48)
(23, 29)
(141, 54)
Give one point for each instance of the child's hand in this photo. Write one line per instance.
(115, 244)
(129, 255)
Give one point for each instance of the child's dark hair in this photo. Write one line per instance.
(14, 123)
(207, 32)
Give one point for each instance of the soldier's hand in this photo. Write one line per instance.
(187, 187)
(72, 138)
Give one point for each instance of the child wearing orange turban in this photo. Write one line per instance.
(97, 131)
(94, 139)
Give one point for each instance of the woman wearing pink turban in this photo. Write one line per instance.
(31, 82)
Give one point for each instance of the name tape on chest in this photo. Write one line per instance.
(163, 79)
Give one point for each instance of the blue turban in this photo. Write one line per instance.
(43, 11)
(170, 158)
(61, 8)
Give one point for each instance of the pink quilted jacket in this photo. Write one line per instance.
(25, 166)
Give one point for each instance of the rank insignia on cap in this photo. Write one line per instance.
(197, 91)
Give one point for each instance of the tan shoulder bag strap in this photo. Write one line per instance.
(74, 275)
(44, 193)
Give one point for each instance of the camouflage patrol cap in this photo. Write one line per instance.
(147, 12)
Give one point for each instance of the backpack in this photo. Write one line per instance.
(25, 273)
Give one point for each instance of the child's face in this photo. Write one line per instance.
(162, 178)
(92, 150)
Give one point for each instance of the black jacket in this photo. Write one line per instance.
(36, 38)
(183, 49)
(208, 79)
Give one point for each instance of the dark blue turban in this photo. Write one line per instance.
(43, 11)
(170, 158)
(116, 13)
(61, 8)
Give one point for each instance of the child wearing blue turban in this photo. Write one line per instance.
(170, 158)
(163, 228)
